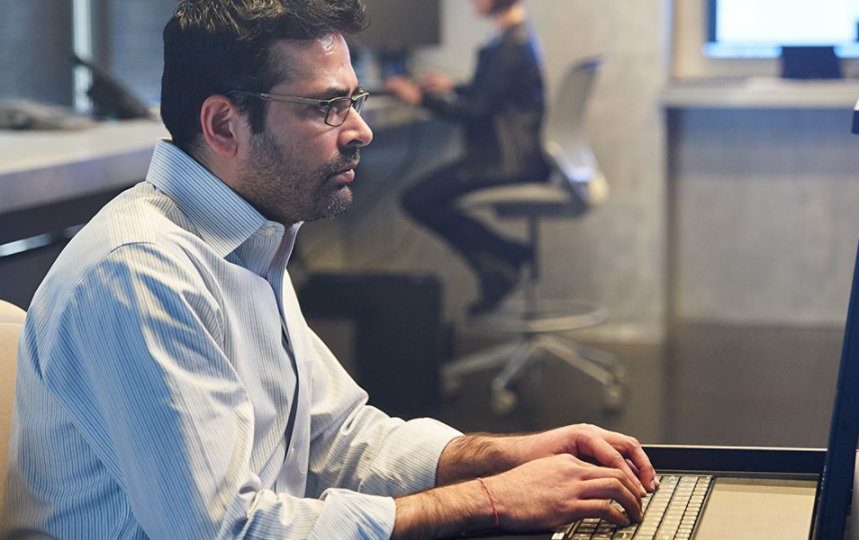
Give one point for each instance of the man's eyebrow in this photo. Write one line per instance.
(335, 92)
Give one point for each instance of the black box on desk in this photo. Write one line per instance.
(397, 338)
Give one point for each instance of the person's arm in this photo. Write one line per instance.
(358, 447)
(530, 482)
(140, 360)
(538, 495)
(494, 79)
(479, 98)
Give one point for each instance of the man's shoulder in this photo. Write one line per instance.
(140, 214)
(139, 218)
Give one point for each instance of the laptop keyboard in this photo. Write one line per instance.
(671, 512)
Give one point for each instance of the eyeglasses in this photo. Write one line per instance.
(336, 109)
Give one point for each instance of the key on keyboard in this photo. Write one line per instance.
(670, 513)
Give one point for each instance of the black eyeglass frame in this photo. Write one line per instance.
(356, 102)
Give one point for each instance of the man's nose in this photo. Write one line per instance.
(356, 131)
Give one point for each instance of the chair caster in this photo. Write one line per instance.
(503, 401)
(614, 398)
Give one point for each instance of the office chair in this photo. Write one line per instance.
(576, 186)
(11, 322)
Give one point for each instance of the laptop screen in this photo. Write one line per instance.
(836, 482)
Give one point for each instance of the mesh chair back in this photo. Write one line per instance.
(564, 139)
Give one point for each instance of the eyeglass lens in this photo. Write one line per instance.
(339, 109)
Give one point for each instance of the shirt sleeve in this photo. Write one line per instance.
(357, 447)
(137, 358)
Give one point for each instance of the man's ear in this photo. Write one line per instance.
(224, 128)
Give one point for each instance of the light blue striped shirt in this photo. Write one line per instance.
(156, 375)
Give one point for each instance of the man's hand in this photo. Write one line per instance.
(551, 491)
(471, 456)
(606, 448)
(539, 495)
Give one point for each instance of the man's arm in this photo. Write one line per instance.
(539, 495)
(358, 447)
(531, 482)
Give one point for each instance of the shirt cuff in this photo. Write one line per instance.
(347, 514)
(419, 445)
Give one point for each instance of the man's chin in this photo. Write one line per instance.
(340, 202)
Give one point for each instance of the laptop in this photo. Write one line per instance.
(751, 493)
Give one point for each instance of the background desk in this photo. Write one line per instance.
(763, 193)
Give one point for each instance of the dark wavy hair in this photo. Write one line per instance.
(214, 46)
(501, 5)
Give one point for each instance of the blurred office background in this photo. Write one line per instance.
(724, 252)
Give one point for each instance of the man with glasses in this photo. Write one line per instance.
(168, 385)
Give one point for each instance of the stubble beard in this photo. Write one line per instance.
(274, 184)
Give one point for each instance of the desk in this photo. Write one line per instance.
(762, 192)
(760, 93)
(43, 167)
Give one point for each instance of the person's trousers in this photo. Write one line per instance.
(432, 201)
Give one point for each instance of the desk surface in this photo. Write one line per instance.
(761, 92)
(42, 167)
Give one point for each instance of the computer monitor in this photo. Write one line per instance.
(761, 28)
(398, 26)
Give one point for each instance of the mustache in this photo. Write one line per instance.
(345, 160)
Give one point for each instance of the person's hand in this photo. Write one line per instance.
(436, 82)
(549, 492)
(606, 448)
(542, 494)
(404, 88)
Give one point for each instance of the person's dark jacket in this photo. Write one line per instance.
(502, 108)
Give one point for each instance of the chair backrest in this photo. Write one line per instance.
(564, 139)
(576, 183)
(11, 322)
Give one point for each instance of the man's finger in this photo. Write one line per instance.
(602, 509)
(609, 488)
(609, 456)
(611, 473)
(646, 473)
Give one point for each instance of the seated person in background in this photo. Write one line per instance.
(502, 112)
(168, 385)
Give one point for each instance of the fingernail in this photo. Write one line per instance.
(653, 485)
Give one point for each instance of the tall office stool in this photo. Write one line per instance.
(11, 322)
(575, 187)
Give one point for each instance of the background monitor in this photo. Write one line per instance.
(401, 25)
(760, 28)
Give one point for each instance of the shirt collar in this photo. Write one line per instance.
(223, 219)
